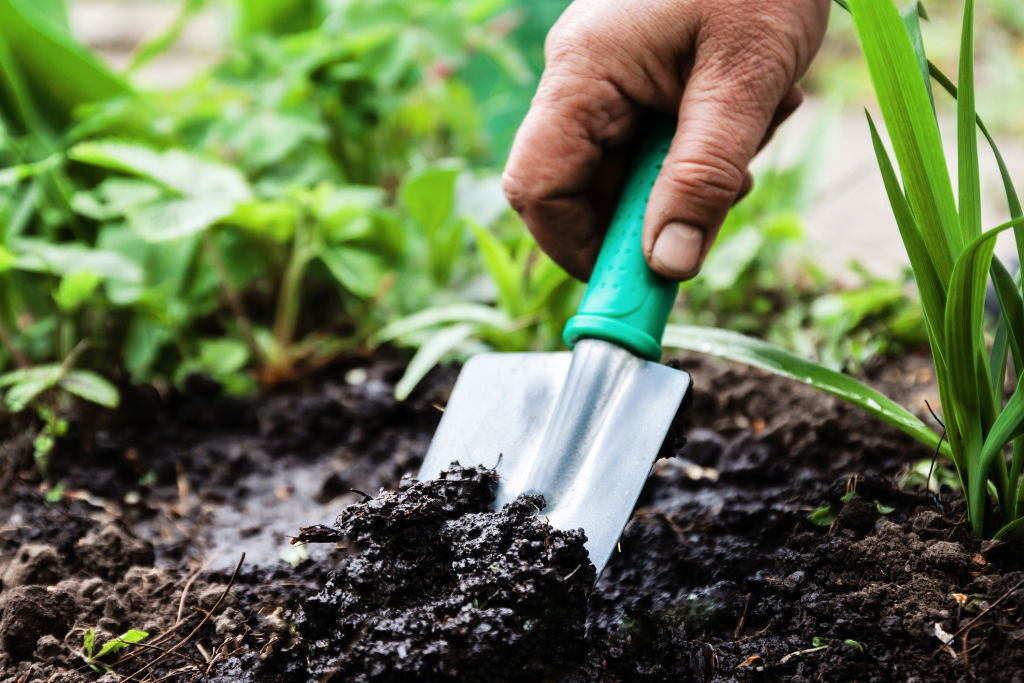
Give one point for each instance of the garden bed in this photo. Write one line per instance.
(720, 575)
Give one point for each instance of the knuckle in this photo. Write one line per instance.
(517, 190)
(710, 184)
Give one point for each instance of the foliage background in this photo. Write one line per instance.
(255, 189)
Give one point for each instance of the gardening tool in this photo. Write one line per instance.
(582, 428)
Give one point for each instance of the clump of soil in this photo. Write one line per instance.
(444, 588)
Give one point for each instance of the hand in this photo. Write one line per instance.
(727, 68)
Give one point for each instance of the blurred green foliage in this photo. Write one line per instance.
(330, 185)
(271, 214)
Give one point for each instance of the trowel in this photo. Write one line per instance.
(582, 428)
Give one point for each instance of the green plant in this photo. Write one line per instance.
(261, 220)
(952, 260)
(126, 639)
(522, 303)
(45, 387)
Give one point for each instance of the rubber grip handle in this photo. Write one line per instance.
(627, 303)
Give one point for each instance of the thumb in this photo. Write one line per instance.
(722, 122)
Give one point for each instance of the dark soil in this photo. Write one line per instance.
(721, 574)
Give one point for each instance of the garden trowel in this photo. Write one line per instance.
(581, 428)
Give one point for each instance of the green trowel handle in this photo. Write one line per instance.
(626, 302)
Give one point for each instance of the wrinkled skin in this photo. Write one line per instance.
(727, 69)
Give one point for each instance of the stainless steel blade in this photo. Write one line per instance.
(581, 428)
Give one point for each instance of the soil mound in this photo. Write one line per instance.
(444, 588)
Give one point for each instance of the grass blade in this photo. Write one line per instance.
(967, 133)
(910, 122)
(912, 15)
(478, 314)
(1012, 200)
(760, 354)
(1011, 313)
(931, 289)
(430, 354)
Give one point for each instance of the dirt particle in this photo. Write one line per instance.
(29, 612)
(948, 556)
(109, 551)
(34, 563)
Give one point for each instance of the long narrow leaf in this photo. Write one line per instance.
(930, 287)
(430, 354)
(742, 349)
(908, 117)
(478, 314)
(1012, 200)
(997, 359)
(1008, 426)
(967, 133)
(1012, 311)
(964, 346)
(912, 15)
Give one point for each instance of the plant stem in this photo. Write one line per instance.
(287, 314)
(234, 300)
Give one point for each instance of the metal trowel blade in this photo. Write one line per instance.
(582, 428)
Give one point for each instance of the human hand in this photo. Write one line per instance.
(726, 68)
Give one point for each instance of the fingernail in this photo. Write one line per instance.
(678, 249)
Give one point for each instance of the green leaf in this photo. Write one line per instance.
(27, 384)
(172, 219)
(64, 259)
(912, 15)
(911, 124)
(854, 643)
(760, 354)
(502, 269)
(430, 197)
(478, 314)
(967, 133)
(357, 270)
(175, 169)
(90, 386)
(430, 354)
(54, 74)
(1011, 530)
(931, 287)
(222, 357)
(819, 641)
(823, 516)
(127, 638)
(1011, 315)
(87, 641)
(114, 197)
(731, 257)
(7, 259)
(75, 289)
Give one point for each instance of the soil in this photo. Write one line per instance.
(731, 568)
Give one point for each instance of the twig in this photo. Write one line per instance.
(985, 611)
(743, 618)
(149, 646)
(194, 631)
(938, 447)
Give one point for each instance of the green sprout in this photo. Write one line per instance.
(126, 639)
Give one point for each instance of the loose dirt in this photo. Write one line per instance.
(720, 575)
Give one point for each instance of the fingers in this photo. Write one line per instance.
(559, 171)
(723, 121)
